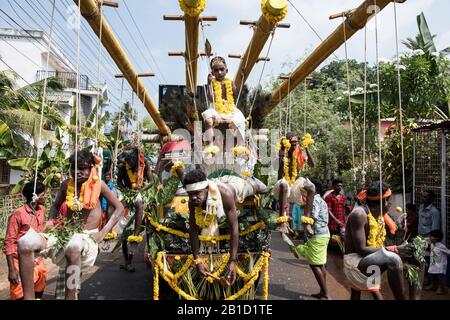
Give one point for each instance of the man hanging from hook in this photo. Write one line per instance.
(290, 185)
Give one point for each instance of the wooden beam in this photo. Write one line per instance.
(140, 75)
(169, 17)
(182, 54)
(108, 4)
(91, 12)
(238, 56)
(354, 22)
(254, 23)
(341, 14)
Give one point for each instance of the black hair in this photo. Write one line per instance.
(133, 156)
(412, 207)
(194, 176)
(317, 184)
(217, 58)
(28, 190)
(374, 190)
(431, 194)
(84, 158)
(437, 234)
(336, 181)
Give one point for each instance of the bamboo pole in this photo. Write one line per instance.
(91, 12)
(264, 28)
(353, 23)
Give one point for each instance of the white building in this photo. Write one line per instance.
(26, 53)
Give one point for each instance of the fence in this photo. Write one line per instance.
(431, 167)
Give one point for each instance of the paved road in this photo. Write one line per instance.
(290, 278)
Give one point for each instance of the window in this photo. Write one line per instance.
(4, 171)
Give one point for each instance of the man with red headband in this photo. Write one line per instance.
(290, 185)
(365, 257)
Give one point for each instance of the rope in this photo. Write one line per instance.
(78, 103)
(304, 111)
(400, 116)
(378, 106)
(116, 147)
(288, 102)
(262, 72)
(365, 108)
(208, 67)
(98, 78)
(246, 62)
(349, 98)
(44, 94)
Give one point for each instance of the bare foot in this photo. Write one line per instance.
(320, 296)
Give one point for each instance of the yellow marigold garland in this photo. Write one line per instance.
(246, 173)
(283, 142)
(137, 239)
(241, 151)
(158, 227)
(177, 165)
(72, 204)
(221, 268)
(273, 19)
(156, 282)
(213, 150)
(218, 100)
(307, 140)
(133, 176)
(307, 220)
(282, 219)
(377, 231)
(110, 236)
(202, 219)
(293, 177)
(265, 293)
(193, 12)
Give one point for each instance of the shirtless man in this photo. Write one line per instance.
(132, 174)
(364, 247)
(81, 250)
(217, 201)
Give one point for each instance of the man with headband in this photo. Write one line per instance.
(209, 203)
(365, 257)
(290, 185)
(221, 95)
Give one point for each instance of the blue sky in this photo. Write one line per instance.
(225, 35)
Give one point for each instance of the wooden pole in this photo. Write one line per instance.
(90, 11)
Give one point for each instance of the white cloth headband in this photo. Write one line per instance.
(197, 186)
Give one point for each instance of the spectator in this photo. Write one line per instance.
(429, 215)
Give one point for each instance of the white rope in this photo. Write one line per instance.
(44, 95)
(98, 79)
(288, 102)
(116, 147)
(400, 110)
(205, 90)
(378, 107)
(349, 97)
(78, 102)
(243, 75)
(261, 75)
(305, 108)
(365, 108)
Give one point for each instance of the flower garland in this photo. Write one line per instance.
(307, 220)
(156, 283)
(265, 293)
(168, 277)
(202, 218)
(290, 178)
(72, 203)
(137, 239)
(220, 269)
(283, 142)
(133, 176)
(377, 231)
(246, 173)
(282, 219)
(218, 100)
(110, 236)
(213, 150)
(177, 165)
(307, 140)
(158, 227)
(195, 11)
(273, 19)
(241, 151)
